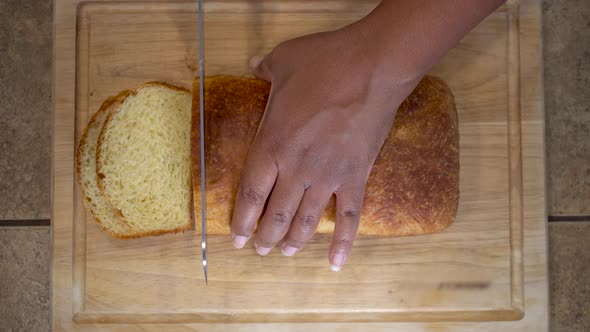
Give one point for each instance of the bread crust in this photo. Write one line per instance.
(83, 141)
(413, 187)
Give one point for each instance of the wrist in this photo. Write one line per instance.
(391, 50)
(390, 71)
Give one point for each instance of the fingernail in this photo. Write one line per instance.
(337, 262)
(263, 251)
(288, 250)
(240, 241)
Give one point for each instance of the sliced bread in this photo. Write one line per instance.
(86, 173)
(143, 159)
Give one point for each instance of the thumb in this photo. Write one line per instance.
(260, 68)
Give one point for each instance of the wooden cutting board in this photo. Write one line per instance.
(490, 265)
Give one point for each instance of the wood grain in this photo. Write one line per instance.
(482, 268)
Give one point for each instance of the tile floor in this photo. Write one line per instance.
(25, 110)
(25, 122)
(25, 253)
(566, 48)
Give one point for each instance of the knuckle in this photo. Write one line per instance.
(281, 218)
(308, 222)
(251, 195)
(350, 213)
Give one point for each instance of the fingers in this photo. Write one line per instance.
(348, 211)
(306, 220)
(282, 206)
(260, 67)
(256, 182)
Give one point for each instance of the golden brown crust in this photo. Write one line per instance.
(413, 187)
(165, 84)
(233, 107)
(151, 233)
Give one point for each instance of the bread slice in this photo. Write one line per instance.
(143, 159)
(86, 173)
(413, 187)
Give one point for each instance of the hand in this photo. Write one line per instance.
(328, 114)
(332, 102)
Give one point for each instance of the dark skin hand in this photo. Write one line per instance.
(332, 103)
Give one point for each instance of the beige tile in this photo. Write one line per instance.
(24, 278)
(569, 270)
(566, 48)
(25, 108)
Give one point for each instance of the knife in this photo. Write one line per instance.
(202, 135)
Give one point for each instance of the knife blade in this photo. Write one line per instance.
(202, 136)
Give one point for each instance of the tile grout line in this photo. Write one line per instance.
(25, 223)
(47, 222)
(568, 218)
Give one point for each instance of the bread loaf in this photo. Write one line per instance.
(413, 187)
(143, 160)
